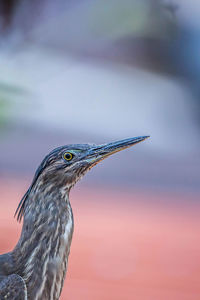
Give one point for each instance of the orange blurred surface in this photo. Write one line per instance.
(122, 249)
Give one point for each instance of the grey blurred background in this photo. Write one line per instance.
(97, 71)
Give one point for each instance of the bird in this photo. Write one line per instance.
(35, 269)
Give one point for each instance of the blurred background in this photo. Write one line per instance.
(97, 71)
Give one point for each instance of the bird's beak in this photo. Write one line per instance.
(98, 153)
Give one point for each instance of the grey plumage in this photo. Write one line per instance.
(36, 268)
(13, 287)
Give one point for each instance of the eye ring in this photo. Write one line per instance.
(68, 156)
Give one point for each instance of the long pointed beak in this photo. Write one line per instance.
(98, 153)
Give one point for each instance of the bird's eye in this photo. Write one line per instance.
(68, 156)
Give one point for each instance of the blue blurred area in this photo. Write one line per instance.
(96, 71)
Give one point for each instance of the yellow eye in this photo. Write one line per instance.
(68, 156)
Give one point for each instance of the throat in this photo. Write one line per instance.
(42, 252)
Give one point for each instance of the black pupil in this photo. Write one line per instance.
(68, 156)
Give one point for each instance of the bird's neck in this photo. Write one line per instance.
(41, 254)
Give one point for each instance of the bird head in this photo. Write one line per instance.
(65, 165)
